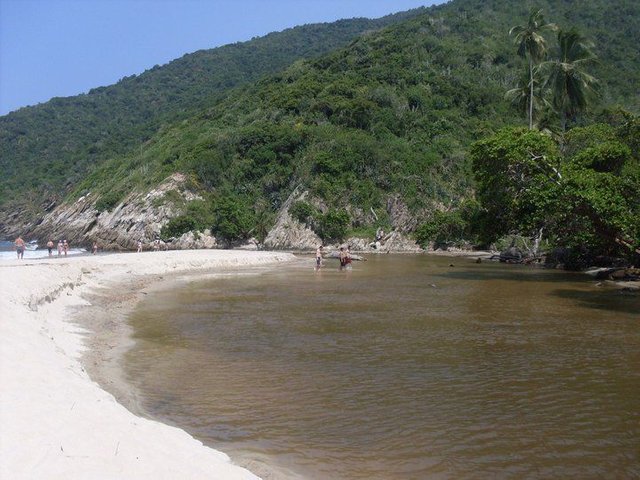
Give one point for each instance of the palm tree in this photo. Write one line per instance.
(570, 84)
(532, 44)
(526, 99)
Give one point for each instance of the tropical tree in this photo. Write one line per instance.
(571, 86)
(528, 100)
(532, 45)
(584, 197)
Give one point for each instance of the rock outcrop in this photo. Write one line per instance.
(289, 233)
(139, 217)
(191, 240)
(402, 220)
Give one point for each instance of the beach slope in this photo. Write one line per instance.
(55, 421)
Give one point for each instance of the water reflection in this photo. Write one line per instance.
(404, 368)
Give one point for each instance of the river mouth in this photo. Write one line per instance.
(406, 367)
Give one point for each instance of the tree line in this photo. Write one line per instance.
(576, 185)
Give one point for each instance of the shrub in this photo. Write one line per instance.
(444, 229)
(304, 212)
(178, 226)
(108, 200)
(333, 225)
(233, 219)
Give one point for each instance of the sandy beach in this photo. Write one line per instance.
(57, 422)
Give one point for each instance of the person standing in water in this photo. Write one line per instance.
(319, 257)
(343, 258)
(20, 246)
(94, 249)
(59, 247)
(347, 259)
(50, 247)
(139, 246)
(65, 247)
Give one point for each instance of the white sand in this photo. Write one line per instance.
(55, 422)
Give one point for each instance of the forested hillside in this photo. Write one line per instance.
(48, 148)
(390, 116)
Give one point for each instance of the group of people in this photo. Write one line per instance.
(21, 246)
(63, 247)
(344, 257)
(156, 245)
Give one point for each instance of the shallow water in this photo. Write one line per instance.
(404, 368)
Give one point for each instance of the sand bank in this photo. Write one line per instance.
(58, 423)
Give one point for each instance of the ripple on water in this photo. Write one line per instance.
(375, 374)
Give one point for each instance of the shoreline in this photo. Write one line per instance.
(66, 411)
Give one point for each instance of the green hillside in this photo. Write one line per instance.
(390, 115)
(48, 148)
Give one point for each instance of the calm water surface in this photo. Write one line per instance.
(404, 368)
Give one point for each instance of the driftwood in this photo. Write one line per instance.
(615, 273)
(336, 255)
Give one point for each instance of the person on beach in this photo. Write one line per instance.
(50, 247)
(319, 257)
(20, 246)
(139, 246)
(65, 247)
(94, 249)
(60, 247)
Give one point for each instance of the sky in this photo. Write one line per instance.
(59, 48)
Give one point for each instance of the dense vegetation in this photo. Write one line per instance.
(392, 115)
(583, 194)
(48, 148)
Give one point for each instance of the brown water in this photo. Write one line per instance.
(404, 368)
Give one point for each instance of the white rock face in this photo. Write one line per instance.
(289, 233)
(196, 240)
(140, 217)
(402, 220)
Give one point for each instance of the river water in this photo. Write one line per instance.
(406, 367)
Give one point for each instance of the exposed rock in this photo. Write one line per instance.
(402, 220)
(358, 244)
(392, 242)
(399, 242)
(511, 254)
(193, 240)
(626, 274)
(289, 233)
(139, 217)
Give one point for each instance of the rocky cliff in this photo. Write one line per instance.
(141, 216)
(138, 218)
